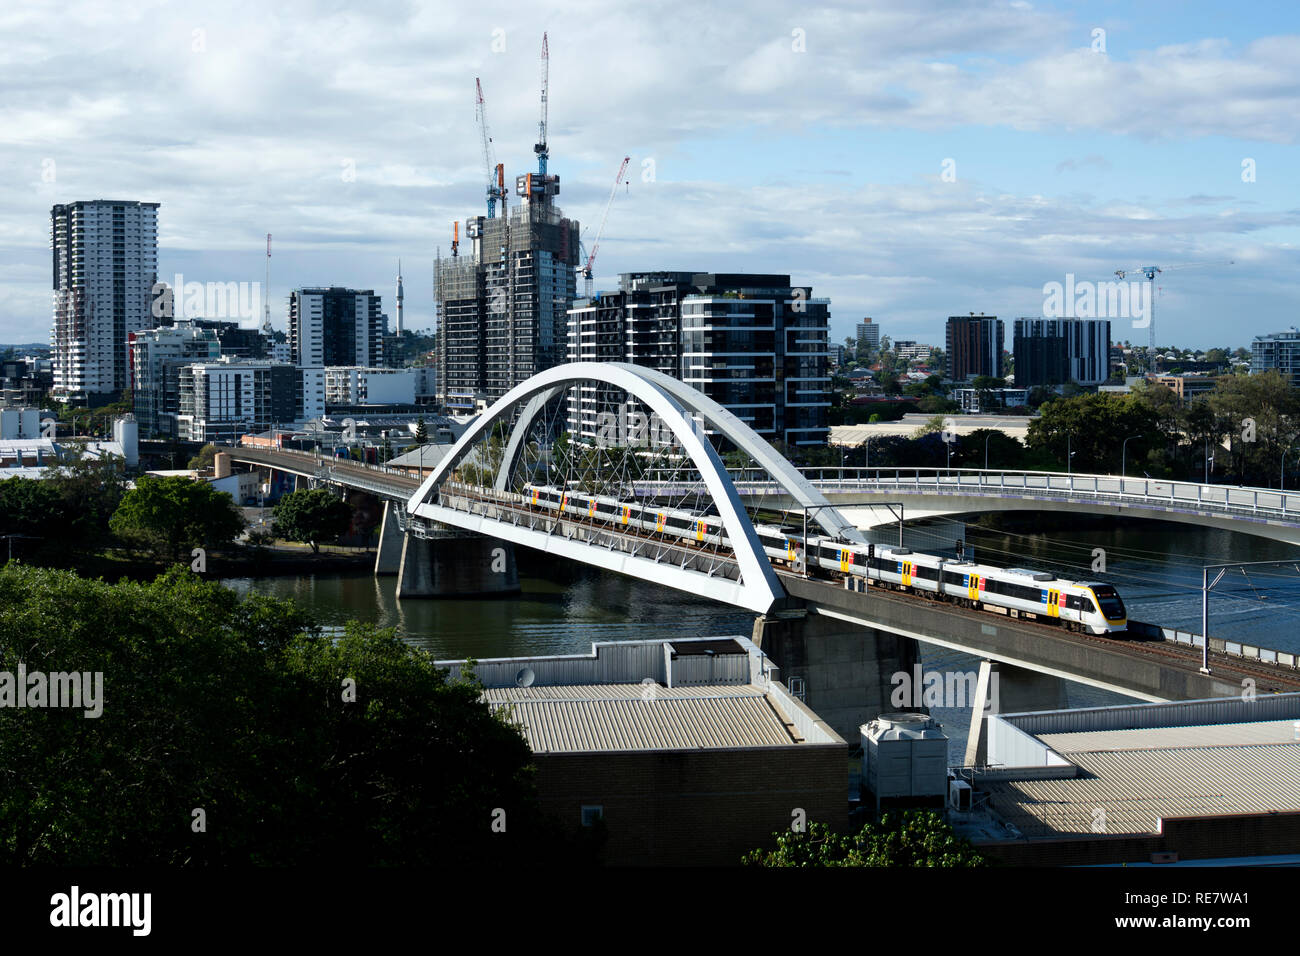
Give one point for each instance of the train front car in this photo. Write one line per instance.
(1108, 614)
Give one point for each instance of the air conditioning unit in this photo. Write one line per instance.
(959, 795)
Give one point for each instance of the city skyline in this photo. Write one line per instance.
(1011, 148)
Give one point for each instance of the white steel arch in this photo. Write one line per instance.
(674, 403)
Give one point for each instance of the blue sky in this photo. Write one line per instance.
(800, 139)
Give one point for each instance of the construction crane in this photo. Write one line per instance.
(1150, 273)
(586, 269)
(266, 291)
(540, 146)
(495, 183)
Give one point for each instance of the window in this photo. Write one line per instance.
(591, 813)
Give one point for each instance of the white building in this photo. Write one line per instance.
(157, 356)
(105, 267)
(222, 401)
(352, 385)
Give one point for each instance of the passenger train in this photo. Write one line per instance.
(1093, 607)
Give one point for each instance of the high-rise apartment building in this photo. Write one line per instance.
(753, 343)
(333, 326)
(974, 347)
(105, 256)
(221, 401)
(1278, 350)
(868, 335)
(502, 308)
(157, 357)
(1055, 351)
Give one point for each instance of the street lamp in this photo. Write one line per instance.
(986, 450)
(1209, 460)
(1123, 461)
(866, 453)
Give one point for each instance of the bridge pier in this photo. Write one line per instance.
(388, 556)
(845, 669)
(456, 566)
(1007, 689)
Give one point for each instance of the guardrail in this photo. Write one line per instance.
(1101, 489)
(1218, 645)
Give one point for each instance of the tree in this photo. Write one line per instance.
(205, 459)
(312, 516)
(421, 432)
(296, 748)
(171, 516)
(906, 838)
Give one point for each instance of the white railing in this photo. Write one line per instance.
(1161, 494)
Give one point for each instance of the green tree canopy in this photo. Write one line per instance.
(205, 459)
(312, 516)
(170, 516)
(906, 838)
(298, 749)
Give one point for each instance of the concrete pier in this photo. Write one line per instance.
(456, 566)
(1007, 689)
(388, 556)
(845, 669)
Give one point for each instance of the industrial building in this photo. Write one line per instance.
(755, 344)
(1137, 784)
(974, 347)
(685, 752)
(1051, 352)
(105, 255)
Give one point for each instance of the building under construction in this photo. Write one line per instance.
(502, 307)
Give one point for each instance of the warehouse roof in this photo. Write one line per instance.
(624, 717)
(1121, 770)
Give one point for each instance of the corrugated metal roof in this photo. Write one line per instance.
(1162, 738)
(616, 717)
(1128, 791)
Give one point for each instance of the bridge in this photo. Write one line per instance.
(455, 531)
(1263, 512)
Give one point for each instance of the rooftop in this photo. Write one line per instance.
(1128, 768)
(686, 694)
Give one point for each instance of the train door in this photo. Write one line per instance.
(627, 514)
(906, 569)
(701, 529)
(974, 584)
(846, 560)
(1054, 601)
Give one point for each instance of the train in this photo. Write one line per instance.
(1093, 607)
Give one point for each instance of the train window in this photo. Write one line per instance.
(1111, 605)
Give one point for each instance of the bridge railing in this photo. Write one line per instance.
(1158, 493)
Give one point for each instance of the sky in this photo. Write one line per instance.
(909, 160)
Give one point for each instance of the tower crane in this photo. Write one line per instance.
(586, 269)
(495, 183)
(1150, 273)
(540, 146)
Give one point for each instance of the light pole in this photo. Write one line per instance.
(986, 450)
(1123, 460)
(1209, 460)
(1281, 480)
(866, 453)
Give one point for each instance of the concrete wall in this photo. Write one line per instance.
(846, 669)
(695, 808)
